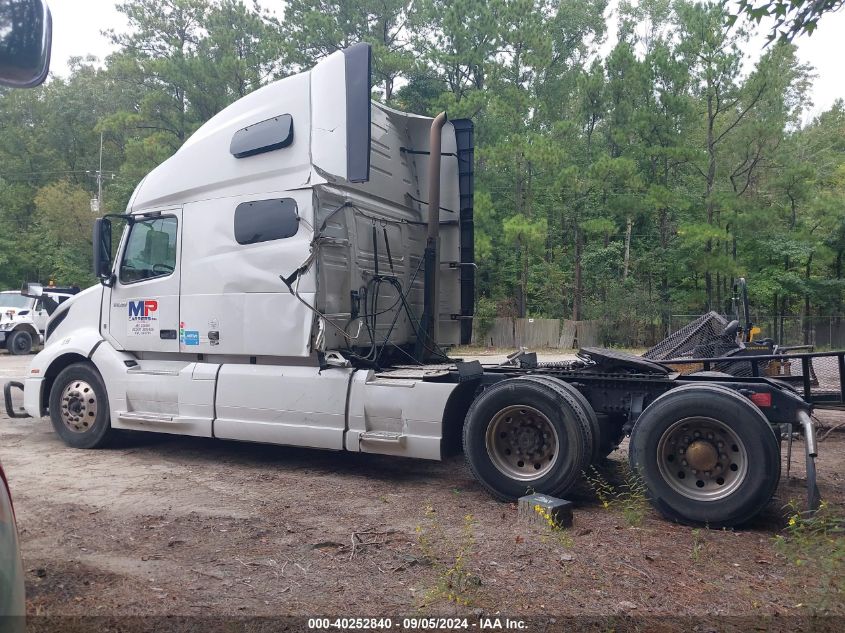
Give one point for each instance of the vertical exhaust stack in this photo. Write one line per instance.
(427, 342)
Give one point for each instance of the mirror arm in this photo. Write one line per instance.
(121, 216)
(50, 304)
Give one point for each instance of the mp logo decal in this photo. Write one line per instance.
(144, 309)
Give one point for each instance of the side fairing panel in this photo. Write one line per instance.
(340, 110)
(300, 406)
(412, 410)
(159, 395)
(328, 106)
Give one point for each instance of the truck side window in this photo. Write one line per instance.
(150, 250)
(265, 220)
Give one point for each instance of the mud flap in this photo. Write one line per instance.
(811, 450)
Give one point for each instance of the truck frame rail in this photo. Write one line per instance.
(820, 379)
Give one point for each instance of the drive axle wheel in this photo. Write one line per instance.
(702, 458)
(524, 436)
(693, 449)
(79, 407)
(568, 391)
(522, 442)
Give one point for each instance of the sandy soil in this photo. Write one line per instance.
(182, 526)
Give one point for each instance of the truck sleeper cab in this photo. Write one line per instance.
(194, 330)
(291, 276)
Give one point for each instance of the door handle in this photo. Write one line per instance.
(167, 334)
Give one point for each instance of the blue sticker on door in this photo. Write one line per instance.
(191, 337)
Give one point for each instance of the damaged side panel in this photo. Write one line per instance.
(232, 300)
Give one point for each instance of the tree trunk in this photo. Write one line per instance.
(807, 328)
(579, 290)
(784, 304)
(523, 283)
(718, 293)
(774, 330)
(708, 193)
(628, 226)
(838, 271)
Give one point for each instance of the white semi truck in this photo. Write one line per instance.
(292, 276)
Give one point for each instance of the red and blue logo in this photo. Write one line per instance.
(143, 310)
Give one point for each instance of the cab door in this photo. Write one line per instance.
(142, 314)
(40, 316)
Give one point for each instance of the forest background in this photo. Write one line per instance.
(624, 187)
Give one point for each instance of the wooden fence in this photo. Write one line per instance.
(539, 333)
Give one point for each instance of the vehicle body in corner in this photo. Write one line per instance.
(12, 600)
(290, 275)
(25, 42)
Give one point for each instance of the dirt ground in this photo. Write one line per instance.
(183, 526)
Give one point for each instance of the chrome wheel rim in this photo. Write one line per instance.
(522, 443)
(78, 406)
(702, 458)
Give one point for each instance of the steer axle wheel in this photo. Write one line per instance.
(79, 407)
(707, 455)
(19, 343)
(523, 435)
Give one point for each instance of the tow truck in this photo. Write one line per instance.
(295, 274)
(23, 320)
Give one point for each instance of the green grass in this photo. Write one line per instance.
(815, 543)
(625, 492)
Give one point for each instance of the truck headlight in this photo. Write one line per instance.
(7, 325)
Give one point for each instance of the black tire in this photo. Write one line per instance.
(19, 343)
(562, 411)
(752, 446)
(595, 428)
(72, 392)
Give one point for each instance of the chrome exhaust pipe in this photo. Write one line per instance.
(427, 342)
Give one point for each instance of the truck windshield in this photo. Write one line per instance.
(150, 250)
(14, 300)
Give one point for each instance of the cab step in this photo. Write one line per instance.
(390, 437)
(132, 416)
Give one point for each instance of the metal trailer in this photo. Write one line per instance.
(273, 287)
